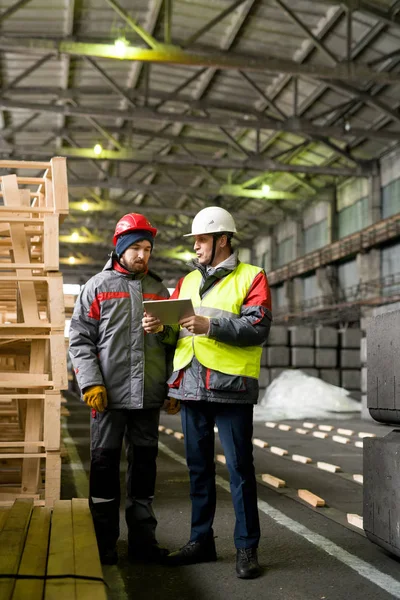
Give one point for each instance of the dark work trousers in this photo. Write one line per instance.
(139, 429)
(235, 428)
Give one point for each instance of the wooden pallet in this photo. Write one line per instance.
(32, 319)
(48, 191)
(44, 543)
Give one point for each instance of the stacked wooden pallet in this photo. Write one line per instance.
(49, 554)
(32, 348)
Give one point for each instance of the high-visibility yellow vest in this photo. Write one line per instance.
(225, 299)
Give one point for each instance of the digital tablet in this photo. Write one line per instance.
(170, 312)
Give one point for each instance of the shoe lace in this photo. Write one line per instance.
(247, 553)
(187, 547)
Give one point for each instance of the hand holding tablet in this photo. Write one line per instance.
(169, 312)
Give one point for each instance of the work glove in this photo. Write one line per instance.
(173, 406)
(96, 397)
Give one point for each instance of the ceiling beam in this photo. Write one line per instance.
(256, 163)
(13, 9)
(386, 16)
(236, 191)
(169, 54)
(293, 125)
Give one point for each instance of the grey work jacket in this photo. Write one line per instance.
(108, 345)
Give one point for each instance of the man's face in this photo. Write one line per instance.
(203, 245)
(136, 257)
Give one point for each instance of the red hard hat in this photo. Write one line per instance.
(132, 222)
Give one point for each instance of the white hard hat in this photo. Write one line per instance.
(212, 219)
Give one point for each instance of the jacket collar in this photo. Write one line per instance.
(219, 271)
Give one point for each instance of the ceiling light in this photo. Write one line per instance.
(266, 189)
(98, 149)
(71, 260)
(74, 236)
(85, 206)
(120, 46)
(347, 126)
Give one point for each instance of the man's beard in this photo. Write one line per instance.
(134, 267)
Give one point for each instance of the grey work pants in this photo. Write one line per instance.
(108, 430)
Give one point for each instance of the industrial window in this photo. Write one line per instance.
(316, 236)
(285, 252)
(353, 218)
(390, 263)
(391, 199)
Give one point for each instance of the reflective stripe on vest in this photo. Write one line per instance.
(225, 299)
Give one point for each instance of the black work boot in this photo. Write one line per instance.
(247, 566)
(153, 553)
(192, 553)
(109, 557)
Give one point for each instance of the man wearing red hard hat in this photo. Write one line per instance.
(122, 374)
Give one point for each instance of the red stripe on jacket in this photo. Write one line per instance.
(176, 292)
(94, 311)
(259, 293)
(153, 297)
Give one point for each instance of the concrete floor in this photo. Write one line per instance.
(306, 553)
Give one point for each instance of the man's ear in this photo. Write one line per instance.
(223, 241)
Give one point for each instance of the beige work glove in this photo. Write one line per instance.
(172, 406)
(96, 397)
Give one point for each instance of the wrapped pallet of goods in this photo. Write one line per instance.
(32, 318)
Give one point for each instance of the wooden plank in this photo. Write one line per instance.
(52, 420)
(20, 250)
(23, 164)
(12, 539)
(279, 451)
(301, 459)
(310, 498)
(260, 443)
(58, 359)
(61, 553)
(86, 555)
(320, 434)
(60, 183)
(30, 455)
(52, 478)
(340, 439)
(51, 243)
(3, 517)
(274, 481)
(56, 305)
(284, 427)
(328, 467)
(20, 444)
(34, 557)
(33, 421)
(345, 431)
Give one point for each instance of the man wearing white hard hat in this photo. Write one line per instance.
(216, 369)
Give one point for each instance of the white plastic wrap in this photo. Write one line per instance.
(295, 395)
